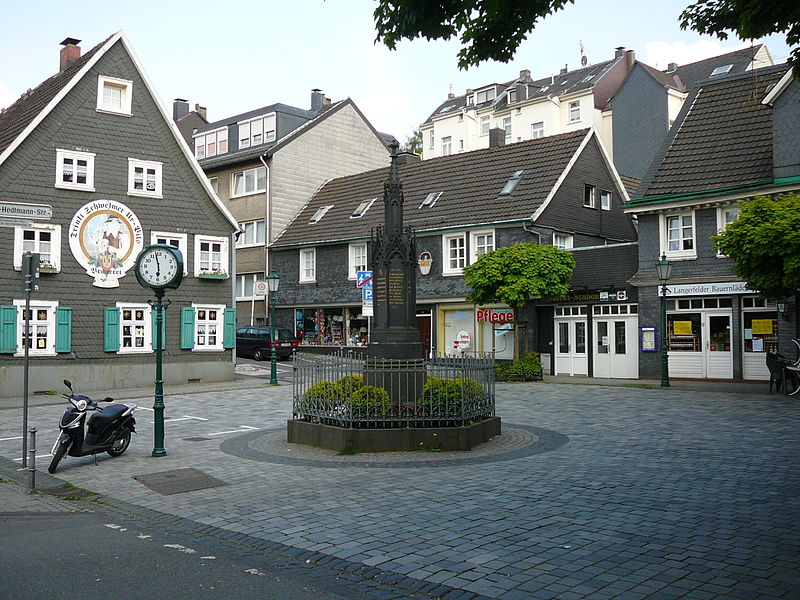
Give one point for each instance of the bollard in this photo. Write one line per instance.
(32, 462)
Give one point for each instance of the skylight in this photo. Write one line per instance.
(587, 78)
(430, 199)
(512, 183)
(319, 214)
(446, 108)
(362, 208)
(721, 70)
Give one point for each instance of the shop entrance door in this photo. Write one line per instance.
(424, 328)
(571, 347)
(615, 353)
(718, 354)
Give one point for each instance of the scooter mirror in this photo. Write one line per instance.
(68, 383)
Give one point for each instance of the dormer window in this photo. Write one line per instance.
(430, 199)
(470, 100)
(211, 143)
(512, 183)
(362, 208)
(255, 132)
(512, 96)
(721, 70)
(485, 95)
(319, 214)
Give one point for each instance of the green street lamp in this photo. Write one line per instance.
(664, 270)
(273, 282)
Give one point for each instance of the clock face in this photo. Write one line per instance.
(159, 266)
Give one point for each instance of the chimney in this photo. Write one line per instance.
(525, 75)
(630, 58)
(672, 67)
(201, 110)
(619, 51)
(403, 158)
(564, 70)
(69, 53)
(497, 137)
(180, 108)
(317, 99)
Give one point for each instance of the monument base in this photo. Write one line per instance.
(392, 440)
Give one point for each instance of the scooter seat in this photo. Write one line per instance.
(101, 420)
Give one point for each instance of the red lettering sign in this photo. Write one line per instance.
(495, 315)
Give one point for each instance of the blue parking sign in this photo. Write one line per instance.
(366, 294)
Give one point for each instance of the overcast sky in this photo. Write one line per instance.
(238, 55)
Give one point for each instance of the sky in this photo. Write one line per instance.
(240, 55)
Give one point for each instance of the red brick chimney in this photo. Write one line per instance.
(69, 53)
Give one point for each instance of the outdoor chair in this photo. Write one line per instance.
(777, 363)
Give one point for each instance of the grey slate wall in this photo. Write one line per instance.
(786, 132)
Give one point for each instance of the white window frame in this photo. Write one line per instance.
(432, 142)
(474, 244)
(591, 201)
(486, 95)
(353, 263)
(241, 285)
(537, 130)
(252, 226)
(214, 183)
(219, 323)
(664, 235)
(217, 137)
(308, 265)
(147, 348)
(722, 220)
(447, 145)
(126, 90)
(145, 165)
(507, 128)
(364, 206)
(182, 240)
(485, 123)
(61, 155)
(563, 240)
(246, 192)
(55, 245)
(50, 324)
(211, 239)
(460, 257)
(605, 200)
(251, 129)
(574, 109)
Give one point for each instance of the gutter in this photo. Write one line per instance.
(664, 198)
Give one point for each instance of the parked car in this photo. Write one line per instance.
(255, 342)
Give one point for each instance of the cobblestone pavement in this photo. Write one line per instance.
(595, 492)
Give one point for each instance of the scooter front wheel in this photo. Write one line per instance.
(120, 444)
(60, 452)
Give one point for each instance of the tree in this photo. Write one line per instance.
(494, 30)
(413, 143)
(764, 244)
(515, 274)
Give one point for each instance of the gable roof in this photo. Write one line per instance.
(697, 71)
(470, 184)
(22, 117)
(723, 139)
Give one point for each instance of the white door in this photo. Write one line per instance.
(718, 353)
(571, 347)
(615, 354)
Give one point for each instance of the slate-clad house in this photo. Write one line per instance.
(648, 102)
(94, 143)
(736, 137)
(558, 190)
(265, 164)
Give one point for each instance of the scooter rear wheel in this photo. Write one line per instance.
(120, 444)
(60, 452)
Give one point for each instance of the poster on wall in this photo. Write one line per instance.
(105, 237)
(682, 327)
(762, 326)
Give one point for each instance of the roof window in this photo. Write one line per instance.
(512, 183)
(361, 209)
(587, 78)
(430, 199)
(319, 214)
(721, 70)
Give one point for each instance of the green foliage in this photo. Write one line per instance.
(369, 400)
(322, 395)
(764, 244)
(527, 368)
(444, 397)
(349, 383)
(414, 143)
(514, 274)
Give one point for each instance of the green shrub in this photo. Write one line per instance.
(349, 384)
(445, 397)
(323, 395)
(527, 368)
(369, 400)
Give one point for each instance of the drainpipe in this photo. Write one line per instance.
(267, 229)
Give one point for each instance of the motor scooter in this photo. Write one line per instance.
(107, 431)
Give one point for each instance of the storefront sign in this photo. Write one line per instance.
(707, 289)
(495, 315)
(762, 326)
(105, 238)
(604, 296)
(682, 327)
(462, 340)
(425, 262)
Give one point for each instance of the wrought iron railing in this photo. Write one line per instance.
(346, 389)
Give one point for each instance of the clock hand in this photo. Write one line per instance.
(158, 265)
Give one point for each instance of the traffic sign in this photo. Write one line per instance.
(366, 294)
(260, 288)
(363, 279)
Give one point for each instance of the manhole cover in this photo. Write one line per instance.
(178, 481)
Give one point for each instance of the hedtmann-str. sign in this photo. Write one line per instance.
(34, 212)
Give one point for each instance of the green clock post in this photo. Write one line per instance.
(159, 267)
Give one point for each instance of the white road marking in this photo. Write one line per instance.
(19, 437)
(37, 456)
(183, 418)
(208, 558)
(241, 428)
(180, 548)
(117, 527)
(255, 572)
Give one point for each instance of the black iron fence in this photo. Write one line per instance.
(346, 389)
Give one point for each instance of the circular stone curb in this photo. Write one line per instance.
(516, 441)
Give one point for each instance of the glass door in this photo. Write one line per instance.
(719, 357)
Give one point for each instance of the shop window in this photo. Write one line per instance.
(619, 337)
(580, 337)
(563, 338)
(602, 337)
(684, 332)
(760, 331)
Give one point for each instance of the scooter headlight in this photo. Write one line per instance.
(80, 405)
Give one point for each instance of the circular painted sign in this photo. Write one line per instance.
(462, 340)
(105, 238)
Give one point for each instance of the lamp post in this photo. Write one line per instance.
(273, 282)
(664, 270)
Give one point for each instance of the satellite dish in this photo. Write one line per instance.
(584, 60)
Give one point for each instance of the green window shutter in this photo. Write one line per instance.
(229, 335)
(111, 329)
(8, 329)
(163, 329)
(63, 329)
(187, 327)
